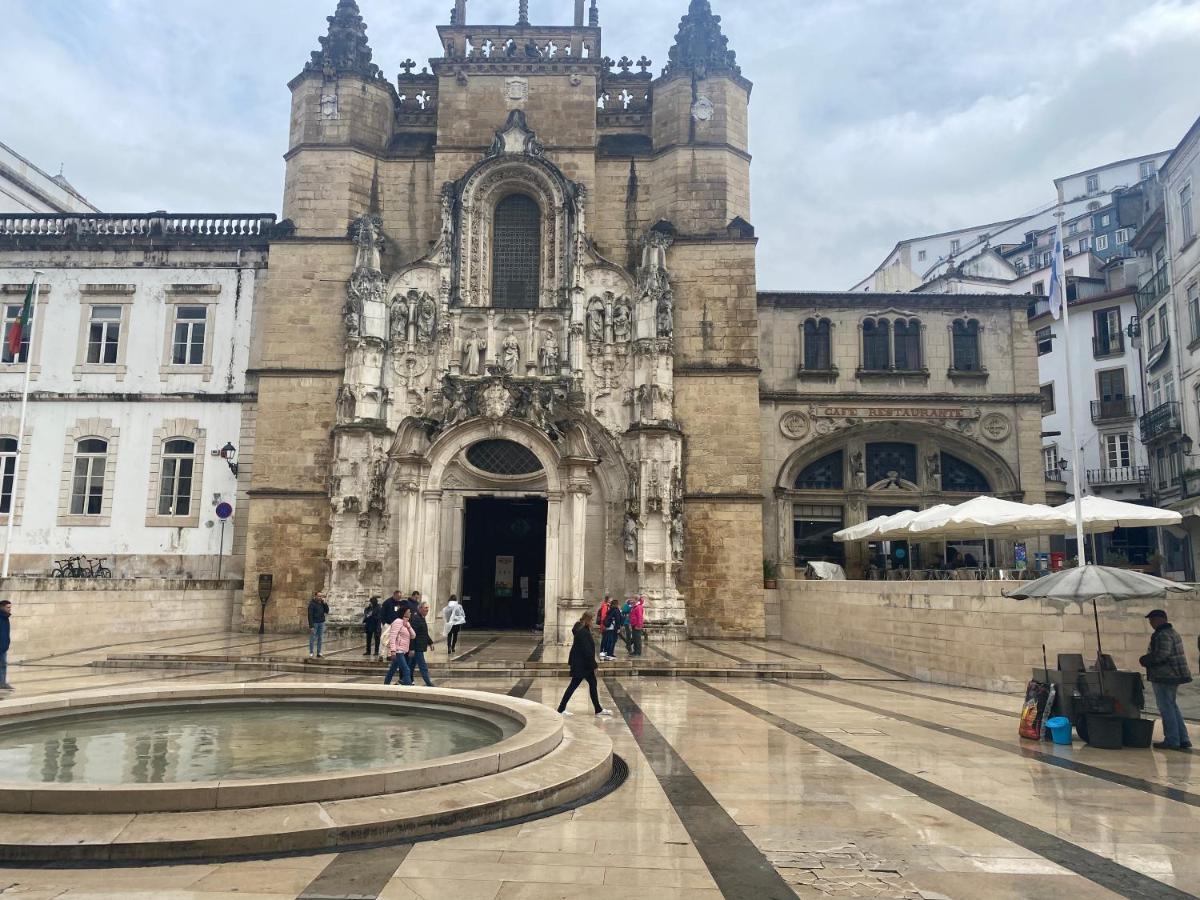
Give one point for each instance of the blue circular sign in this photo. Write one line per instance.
(224, 510)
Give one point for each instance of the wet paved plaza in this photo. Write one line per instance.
(861, 784)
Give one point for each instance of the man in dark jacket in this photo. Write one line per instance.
(1166, 669)
(318, 609)
(413, 602)
(391, 608)
(422, 642)
(5, 641)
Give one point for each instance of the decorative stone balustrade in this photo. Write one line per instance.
(142, 225)
(494, 43)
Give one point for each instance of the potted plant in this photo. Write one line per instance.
(770, 574)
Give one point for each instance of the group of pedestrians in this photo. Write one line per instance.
(626, 621)
(400, 625)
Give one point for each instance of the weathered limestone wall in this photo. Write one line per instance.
(55, 616)
(966, 633)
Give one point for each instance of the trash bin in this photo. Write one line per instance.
(1104, 732)
(1060, 729)
(1137, 732)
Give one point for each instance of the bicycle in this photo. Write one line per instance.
(100, 570)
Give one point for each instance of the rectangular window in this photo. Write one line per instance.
(1117, 452)
(1093, 183)
(1039, 288)
(1047, 399)
(1047, 257)
(1106, 331)
(12, 314)
(1122, 236)
(1173, 455)
(954, 245)
(1105, 220)
(1151, 330)
(1155, 394)
(1168, 387)
(104, 335)
(8, 473)
(1050, 458)
(1085, 244)
(1111, 384)
(1045, 340)
(1145, 170)
(1073, 228)
(187, 345)
(1186, 225)
(175, 483)
(920, 256)
(1160, 468)
(1102, 242)
(1193, 301)
(87, 483)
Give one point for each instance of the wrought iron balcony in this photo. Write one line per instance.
(1162, 422)
(1154, 288)
(1055, 475)
(1108, 345)
(1115, 410)
(1119, 475)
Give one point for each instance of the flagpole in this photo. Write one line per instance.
(1060, 265)
(12, 504)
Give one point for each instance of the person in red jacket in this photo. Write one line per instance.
(637, 623)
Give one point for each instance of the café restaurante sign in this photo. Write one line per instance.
(898, 412)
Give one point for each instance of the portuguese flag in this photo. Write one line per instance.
(18, 330)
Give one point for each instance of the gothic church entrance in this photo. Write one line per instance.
(504, 562)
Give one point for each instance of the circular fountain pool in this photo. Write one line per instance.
(237, 740)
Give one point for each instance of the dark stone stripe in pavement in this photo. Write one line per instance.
(521, 688)
(735, 863)
(1026, 750)
(1092, 866)
(536, 655)
(661, 652)
(963, 703)
(357, 874)
(726, 654)
(474, 650)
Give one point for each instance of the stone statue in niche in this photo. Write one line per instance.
(622, 323)
(629, 537)
(858, 474)
(398, 330)
(346, 404)
(459, 411)
(473, 349)
(677, 536)
(537, 412)
(447, 215)
(426, 319)
(352, 320)
(654, 260)
(377, 492)
(548, 355)
(367, 235)
(595, 322)
(510, 354)
(933, 470)
(666, 314)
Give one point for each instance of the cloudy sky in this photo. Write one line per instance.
(872, 120)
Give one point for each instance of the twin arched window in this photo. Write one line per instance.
(892, 346)
(516, 253)
(964, 339)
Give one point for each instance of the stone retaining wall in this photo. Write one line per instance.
(968, 633)
(56, 616)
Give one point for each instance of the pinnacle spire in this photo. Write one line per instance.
(344, 50)
(700, 45)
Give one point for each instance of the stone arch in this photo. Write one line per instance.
(478, 194)
(454, 441)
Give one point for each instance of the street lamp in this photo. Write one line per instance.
(229, 454)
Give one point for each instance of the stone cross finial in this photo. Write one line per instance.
(644, 63)
(624, 64)
(408, 65)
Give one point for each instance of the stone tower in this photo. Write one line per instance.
(510, 348)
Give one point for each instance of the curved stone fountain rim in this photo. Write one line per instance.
(540, 733)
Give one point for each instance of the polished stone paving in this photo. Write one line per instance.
(862, 785)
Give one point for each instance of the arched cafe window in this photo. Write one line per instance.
(825, 474)
(962, 477)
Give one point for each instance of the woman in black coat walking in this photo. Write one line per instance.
(373, 626)
(583, 665)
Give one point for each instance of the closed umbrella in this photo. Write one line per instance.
(1093, 582)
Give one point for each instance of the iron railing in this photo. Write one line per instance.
(1113, 410)
(1119, 475)
(1153, 289)
(1108, 345)
(1163, 421)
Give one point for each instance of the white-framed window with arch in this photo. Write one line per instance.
(8, 473)
(89, 474)
(176, 475)
(12, 489)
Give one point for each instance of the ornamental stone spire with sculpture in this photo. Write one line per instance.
(344, 50)
(700, 44)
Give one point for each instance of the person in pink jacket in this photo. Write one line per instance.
(400, 640)
(637, 624)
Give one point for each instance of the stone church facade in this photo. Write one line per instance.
(520, 289)
(509, 342)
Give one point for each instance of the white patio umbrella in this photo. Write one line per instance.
(858, 532)
(986, 517)
(1101, 515)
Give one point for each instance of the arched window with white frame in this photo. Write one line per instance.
(88, 472)
(175, 478)
(8, 473)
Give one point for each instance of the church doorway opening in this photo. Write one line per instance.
(504, 562)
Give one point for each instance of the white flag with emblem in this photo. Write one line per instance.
(1058, 284)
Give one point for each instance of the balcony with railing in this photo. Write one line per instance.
(1119, 475)
(1118, 409)
(1056, 475)
(1153, 289)
(1108, 345)
(1162, 422)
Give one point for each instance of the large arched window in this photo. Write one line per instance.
(516, 252)
(175, 481)
(962, 477)
(907, 356)
(889, 460)
(87, 482)
(817, 351)
(964, 337)
(826, 474)
(876, 336)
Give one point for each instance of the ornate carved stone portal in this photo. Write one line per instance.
(583, 379)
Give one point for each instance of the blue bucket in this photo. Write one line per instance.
(1060, 729)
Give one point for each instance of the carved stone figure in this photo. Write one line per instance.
(459, 412)
(537, 412)
(448, 216)
(933, 470)
(346, 404)
(426, 319)
(352, 319)
(510, 354)
(473, 350)
(653, 272)
(857, 472)
(666, 314)
(622, 323)
(398, 326)
(595, 322)
(548, 355)
(377, 493)
(677, 536)
(629, 537)
(367, 236)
